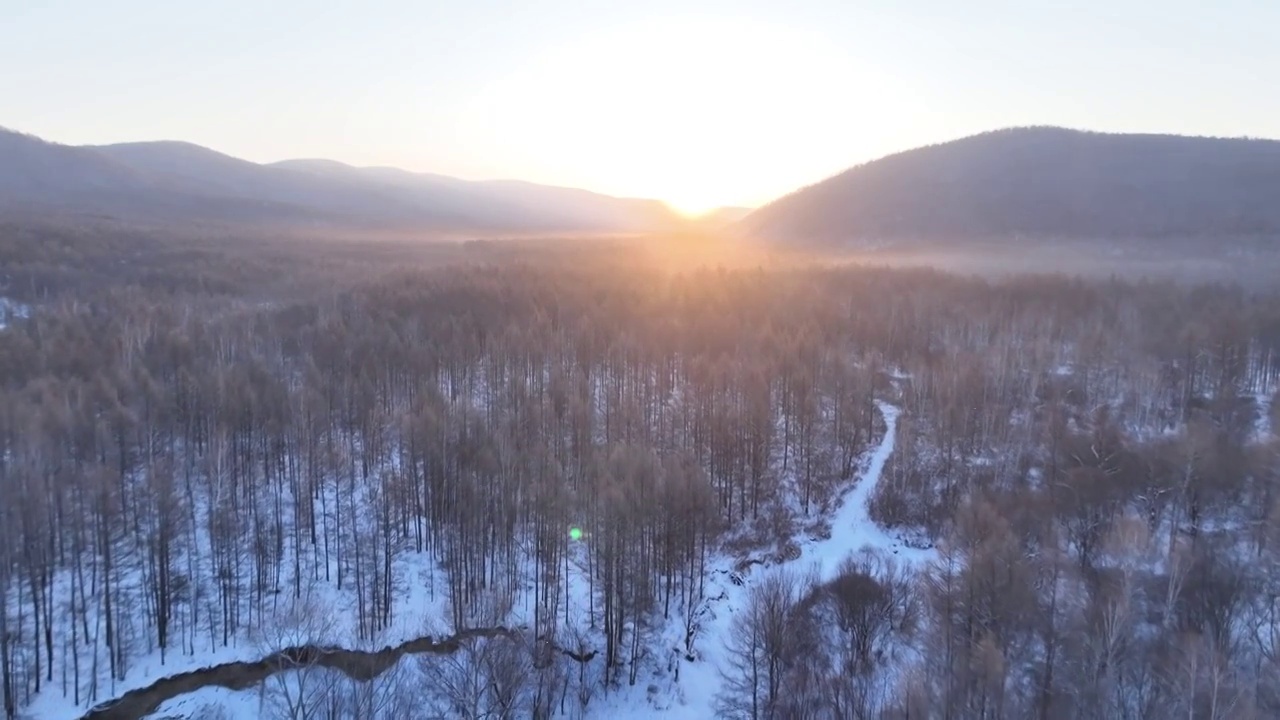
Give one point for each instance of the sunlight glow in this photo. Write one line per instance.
(692, 210)
(693, 111)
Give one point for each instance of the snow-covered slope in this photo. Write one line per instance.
(683, 669)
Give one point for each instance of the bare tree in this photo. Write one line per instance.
(299, 685)
(483, 679)
(760, 648)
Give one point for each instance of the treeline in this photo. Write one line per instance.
(178, 474)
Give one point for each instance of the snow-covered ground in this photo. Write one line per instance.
(215, 703)
(677, 679)
(11, 310)
(852, 528)
(1263, 429)
(420, 609)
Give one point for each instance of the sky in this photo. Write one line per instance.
(700, 103)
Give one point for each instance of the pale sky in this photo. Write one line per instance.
(696, 102)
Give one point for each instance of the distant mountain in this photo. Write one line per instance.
(38, 176)
(32, 168)
(200, 172)
(1041, 182)
(182, 181)
(555, 205)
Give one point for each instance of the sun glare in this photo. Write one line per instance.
(694, 111)
(691, 209)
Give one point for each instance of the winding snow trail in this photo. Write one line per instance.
(852, 529)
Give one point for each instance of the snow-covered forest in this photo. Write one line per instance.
(596, 486)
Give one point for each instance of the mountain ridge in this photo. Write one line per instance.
(1040, 181)
(178, 180)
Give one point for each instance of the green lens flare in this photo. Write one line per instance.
(575, 533)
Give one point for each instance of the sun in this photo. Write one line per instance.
(691, 209)
(701, 112)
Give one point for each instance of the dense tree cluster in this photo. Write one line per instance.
(179, 472)
(1088, 459)
(1096, 466)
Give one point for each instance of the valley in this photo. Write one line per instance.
(590, 481)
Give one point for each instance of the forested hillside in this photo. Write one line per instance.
(183, 183)
(1045, 184)
(596, 488)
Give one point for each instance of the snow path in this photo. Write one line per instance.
(852, 529)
